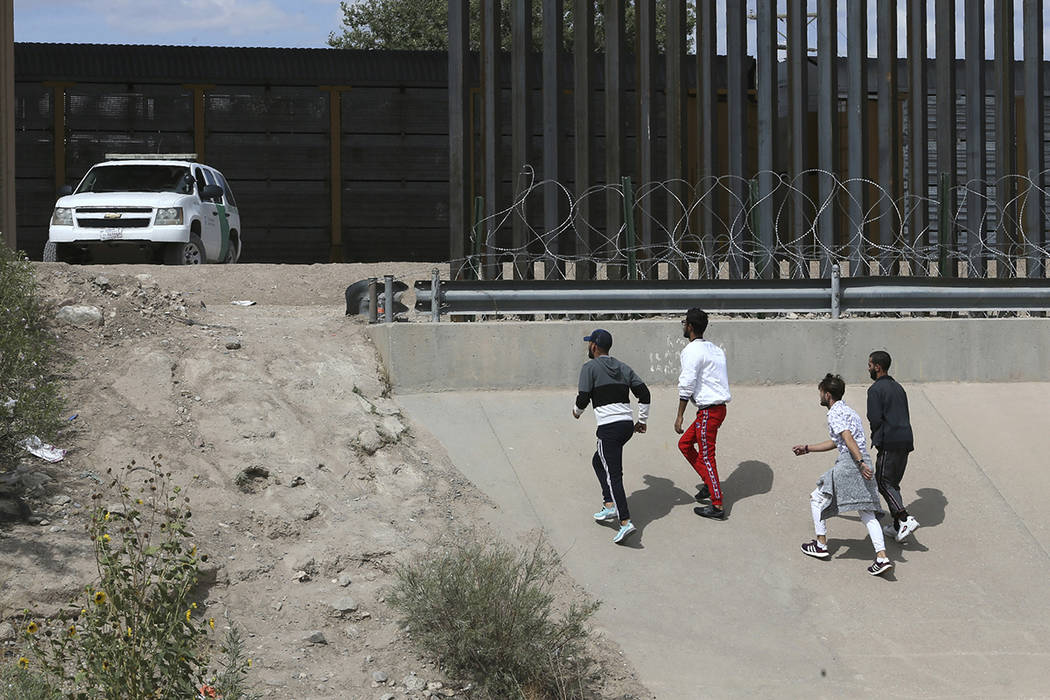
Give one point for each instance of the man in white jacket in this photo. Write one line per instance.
(704, 382)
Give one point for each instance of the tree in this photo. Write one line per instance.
(422, 25)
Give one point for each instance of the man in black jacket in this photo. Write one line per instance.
(891, 435)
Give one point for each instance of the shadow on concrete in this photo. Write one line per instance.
(653, 502)
(929, 508)
(750, 478)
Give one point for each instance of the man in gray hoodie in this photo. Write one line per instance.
(605, 383)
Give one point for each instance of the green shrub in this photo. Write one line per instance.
(487, 612)
(136, 632)
(18, 683)
(27, 358)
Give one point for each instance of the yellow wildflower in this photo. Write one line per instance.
(139, 501)
(211, 622)
(23, 662)
(100, 597)
(188, 615)
(129, 631)
(31, 628)
(105, 665)
(72, 630)
(106, 516)
(193, 605)
(105, 537)
(249, 663)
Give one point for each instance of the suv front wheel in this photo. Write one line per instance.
(189, 253)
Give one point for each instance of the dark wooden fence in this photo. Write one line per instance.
(282, 124)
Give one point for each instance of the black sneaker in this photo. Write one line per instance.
(710, 512)
(880, 567)
(815, 549)
(703, 493)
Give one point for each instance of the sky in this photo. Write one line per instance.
(307, 23)
(275, 23)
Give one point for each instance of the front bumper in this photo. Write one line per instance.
(149, 234)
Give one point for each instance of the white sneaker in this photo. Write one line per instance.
(624, 531)
(907, 527)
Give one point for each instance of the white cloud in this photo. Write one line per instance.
(234, 17)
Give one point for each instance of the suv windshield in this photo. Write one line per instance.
(138, 178)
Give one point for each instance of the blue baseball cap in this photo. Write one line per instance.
(600, 337)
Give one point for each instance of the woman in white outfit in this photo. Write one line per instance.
(849, 485)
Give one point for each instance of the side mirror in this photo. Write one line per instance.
(211, 193)
(65, 190)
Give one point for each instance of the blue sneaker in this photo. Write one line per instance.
(624, 531)
(606, 513)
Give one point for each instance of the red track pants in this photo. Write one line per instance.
(702, 432)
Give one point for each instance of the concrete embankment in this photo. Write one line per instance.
(426, 357)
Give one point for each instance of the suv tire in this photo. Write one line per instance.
(233, 250)
(62, 252)
(189, 253)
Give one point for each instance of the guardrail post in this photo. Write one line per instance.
(435, 292)
(373, 300)
(388, 298)
(835, 291)
(628, 222)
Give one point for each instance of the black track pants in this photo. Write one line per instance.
(608, 463)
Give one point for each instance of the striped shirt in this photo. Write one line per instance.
(606, 383)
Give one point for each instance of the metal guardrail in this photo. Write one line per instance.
(832, 296)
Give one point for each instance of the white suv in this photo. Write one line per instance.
(183, 210)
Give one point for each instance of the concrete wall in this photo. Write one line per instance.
(426, 357)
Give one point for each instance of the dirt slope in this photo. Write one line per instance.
(352, 487)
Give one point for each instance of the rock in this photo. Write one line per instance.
(211, 573)
(413, 683)
(304, 563)
(309, 513)
(101, 281)
(369, 441)
(297, 481)
(435, 686)
(351, 632)
(315, 638)
(343, 606)
(232, 344)
(83, 316)
(377, 676)
(59, 500)
(391, 429)
(344, 579)
(7, 632)
(387, 696)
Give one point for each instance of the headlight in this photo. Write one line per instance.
(62, 217)
(169, 216)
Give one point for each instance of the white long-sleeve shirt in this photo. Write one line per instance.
(704, 379)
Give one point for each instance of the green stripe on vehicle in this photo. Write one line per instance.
(224, 226)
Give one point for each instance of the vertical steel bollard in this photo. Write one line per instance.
(373, 300)
(628, 222)
(388, 298)
(835, 291)
(435, 291)
(478, 231)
